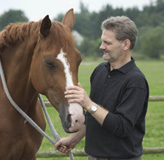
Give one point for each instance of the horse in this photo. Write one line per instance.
(37, 58)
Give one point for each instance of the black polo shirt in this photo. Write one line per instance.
(124, 92)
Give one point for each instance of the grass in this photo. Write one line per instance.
(154, 137)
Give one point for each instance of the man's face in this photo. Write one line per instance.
(113, 49)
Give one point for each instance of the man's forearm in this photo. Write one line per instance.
(78, 136)
(100, 114)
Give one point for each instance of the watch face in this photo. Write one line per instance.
(94, 108)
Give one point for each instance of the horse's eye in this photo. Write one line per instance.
(49, 63)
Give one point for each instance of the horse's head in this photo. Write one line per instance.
(55, 67)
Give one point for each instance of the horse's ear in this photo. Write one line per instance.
(45, 26)
(69, 19)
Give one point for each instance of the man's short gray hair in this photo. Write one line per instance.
(123, 27)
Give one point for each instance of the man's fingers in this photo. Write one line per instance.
(73, 88)
(65, 149)
(73, 101)
(71, 92)
(57, 145)
(79, 85)
(72, 95)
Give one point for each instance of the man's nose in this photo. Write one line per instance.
(102, 47)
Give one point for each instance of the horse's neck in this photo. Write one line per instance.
(16, 63)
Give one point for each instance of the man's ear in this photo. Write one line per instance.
(126, 44)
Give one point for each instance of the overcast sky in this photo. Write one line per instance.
(37, 9)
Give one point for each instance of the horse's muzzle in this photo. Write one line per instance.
(72, 120)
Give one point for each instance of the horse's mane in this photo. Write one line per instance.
(16, 32)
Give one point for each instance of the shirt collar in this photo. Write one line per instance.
(125, 68)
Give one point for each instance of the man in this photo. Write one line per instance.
(116, 109)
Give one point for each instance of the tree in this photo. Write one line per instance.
(90, 48)
(152, 42)
(160, 6)
(12, 16)
(59, 17)
(82, 23)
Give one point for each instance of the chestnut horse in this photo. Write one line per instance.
(37, 57)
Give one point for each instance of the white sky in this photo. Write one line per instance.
(38, 9)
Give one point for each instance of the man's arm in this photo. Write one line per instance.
(76, 94)
(100, 114)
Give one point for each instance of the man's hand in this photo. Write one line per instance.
(76, 94)
(64, 145)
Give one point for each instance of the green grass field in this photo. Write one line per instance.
(154, 72)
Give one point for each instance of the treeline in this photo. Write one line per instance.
(149, 21)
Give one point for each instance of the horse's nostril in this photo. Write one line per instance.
(69, 117)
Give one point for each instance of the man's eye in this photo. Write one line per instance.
(107, 43)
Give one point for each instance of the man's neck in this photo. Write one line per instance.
(119, 63)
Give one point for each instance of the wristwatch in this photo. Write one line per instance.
(93, 108)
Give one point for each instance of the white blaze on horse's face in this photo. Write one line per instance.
(75, 110)
(61, 56)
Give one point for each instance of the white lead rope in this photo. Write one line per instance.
(53, 130)
(27, 118)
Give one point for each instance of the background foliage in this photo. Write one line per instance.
(12, 16)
